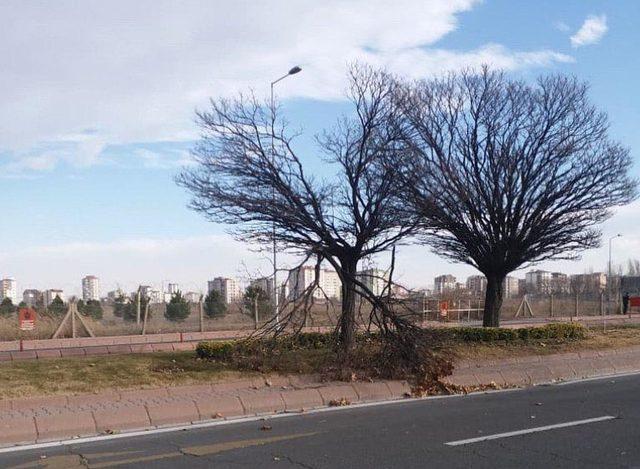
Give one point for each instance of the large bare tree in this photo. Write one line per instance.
(505, 173)
(250, 176)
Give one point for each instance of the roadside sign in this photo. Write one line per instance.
(27, 319)
(634, 301)
(444, 309)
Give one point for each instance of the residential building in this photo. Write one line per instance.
(265, 284)
(173, 288)
(113, 295)
(375, 280)
(477, 285)
(559, 283)
(302, 278)
(50, 295)
(593, 284)
(444, 283)
(227, 287)
(90, 288)
(9, 289)
(32, 297)
(538, 281)
(192, 297)
(511, 287)
(332, 284)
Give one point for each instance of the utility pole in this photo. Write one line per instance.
(609, 277)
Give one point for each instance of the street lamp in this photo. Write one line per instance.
(609, 279)
(276, 299)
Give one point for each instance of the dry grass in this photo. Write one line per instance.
(100, 374)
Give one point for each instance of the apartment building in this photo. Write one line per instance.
(227, 287)
(91, 288)
(375, 280)
(9, 289)
(444, 283)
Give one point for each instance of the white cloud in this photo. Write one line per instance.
(135, 71)
(591, 31)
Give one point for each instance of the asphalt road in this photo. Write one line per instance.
(586, 424)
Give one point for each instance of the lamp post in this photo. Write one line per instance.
(609, 278)
(276, 296)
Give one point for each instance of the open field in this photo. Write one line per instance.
(102, 373)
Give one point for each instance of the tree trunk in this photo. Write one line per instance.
(493, 300)
(348, 313)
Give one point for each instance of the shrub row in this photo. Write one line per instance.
(559, 331)
(223, 351)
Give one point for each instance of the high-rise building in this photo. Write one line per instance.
(444, 283)
(302, 278)
(50, 295)
(538, 281)
(31, 297)
(173, 288)
(227, 287)
(9, 289)
(511, 287)
(376, 280)
(91, 288)
(265, 284)
(477, 285)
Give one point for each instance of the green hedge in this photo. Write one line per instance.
(561, 331)
(215, 350)
(223, 350)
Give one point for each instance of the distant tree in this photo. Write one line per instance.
(214, 305)
(255, 297)
(57, 307)
(120, 306)
(7, 307)
(131, 311)
(22, 304)
(92, 308)
(177, 309)
(80, 305)
(505, 174)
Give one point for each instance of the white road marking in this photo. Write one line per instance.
(529, 430)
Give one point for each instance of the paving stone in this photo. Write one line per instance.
(72, 352)
(372, 391)
(39, 402)
(48, 353)
(26, 354)
(338, 392)
(301, 399)
(399, 388)
(122, 348)
(97, 350)
(64, 426)
(210, 407)
(14, 430)
(174, 413)
(122, 418)
(144, 394)
(178, 391)
(262, 403)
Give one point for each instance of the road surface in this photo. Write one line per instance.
(585, 424)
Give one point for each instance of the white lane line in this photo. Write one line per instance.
(529, 430)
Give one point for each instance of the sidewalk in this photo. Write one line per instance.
(62, 417)
(179, 341)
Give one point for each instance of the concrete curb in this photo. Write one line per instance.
(52, 418)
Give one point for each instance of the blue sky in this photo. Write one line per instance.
(98, 103)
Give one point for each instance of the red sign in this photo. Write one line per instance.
(444, 309)
(634, 301)
(27, 318)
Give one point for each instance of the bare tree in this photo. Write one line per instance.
(506, 173)
(250, 176)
